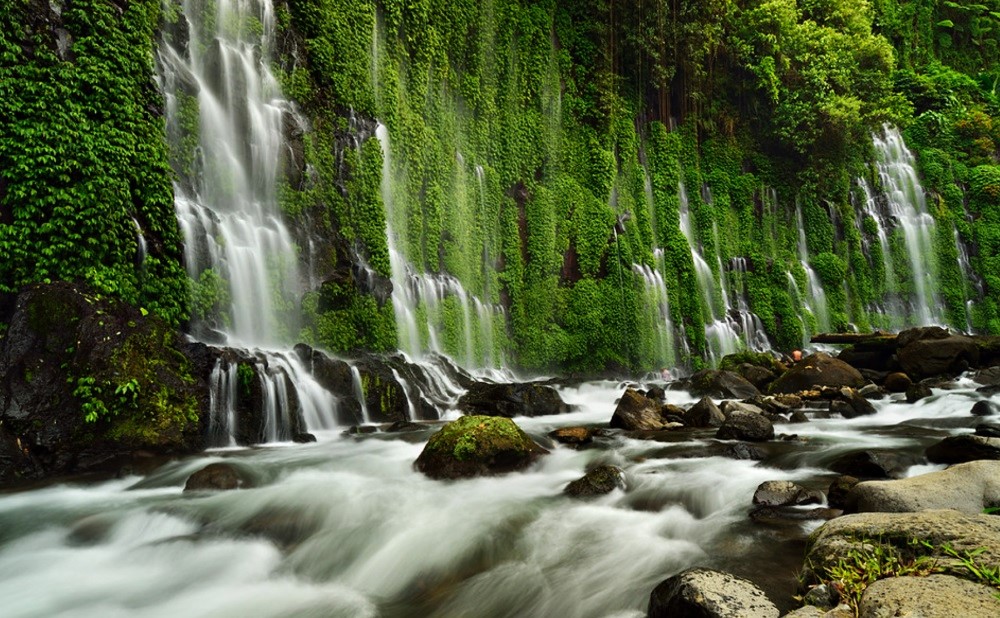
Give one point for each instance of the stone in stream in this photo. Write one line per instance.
(704, 414)
(969, 488)
(856, 405)
(933, 351)
(601, 480)
(917, 392)
(706, 593)
(984, 407)
(785, 493)
(511, 399)
(721, 385)
(874, 463)
(935, 595)
(897, 382)
(574, 436)
(217, 477)
(966, 447)
(815, 371)
(749, 426)
(989, 430)
(836, 495)
(637, 412)
(476, 446)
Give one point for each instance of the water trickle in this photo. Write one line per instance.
(222, 404)
(359, 393)
(143, 249)
(657, 305)
(815, 301)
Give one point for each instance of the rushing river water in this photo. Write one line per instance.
(346, 527)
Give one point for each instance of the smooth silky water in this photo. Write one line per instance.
(346, 527)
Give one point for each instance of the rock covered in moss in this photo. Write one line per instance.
(512, 399)
(85, 380)
(477, 446)
(219, 476)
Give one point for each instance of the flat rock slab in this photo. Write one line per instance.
(934, 596)
(968, 487)
(704, 593)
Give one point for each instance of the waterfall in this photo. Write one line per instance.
(227, 207)
(425, 302)
(908, 207)
(815, 301)
(657, 305)
(143, 248)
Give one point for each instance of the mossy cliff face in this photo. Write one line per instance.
(84, 380)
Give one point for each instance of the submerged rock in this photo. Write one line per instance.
(969, 488)
(476, 446)
(917, 392)
(601, 480)
(705, 593)
(511, 399)
(815, 371)
(217, 477)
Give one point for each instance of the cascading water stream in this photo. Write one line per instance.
(908, 207)
(227, 206)
(816, 300)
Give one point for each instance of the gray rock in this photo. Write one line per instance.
(730, 406)
(968, 487)
(874, 463)
(704, 593)
(704, 414)
(934, 596)
(637, 412)
(784, 493)
(840, 488)
(959, 449)
(742, 425)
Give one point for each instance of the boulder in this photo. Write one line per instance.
(989, 376)
(572, 435)
(705, 593)
(872, 391)
(968, 487)
(744, 451)
(916, 392)
(656, 392)
(933, 351)
(989, 430)
(856, 405)
(704, 414)
(815, 371)
(874, 463)
(966, 447)
(637, 412)
(720, 384)
(749, 426)
(984, 407)
(840, 488)
(216, 477)
(729, 407)
(944, 596)
(756, 375)
(601, 480)
(511, 399)
(897, 382)
(785, 493)
(477, 446)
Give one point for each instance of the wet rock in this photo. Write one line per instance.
(511, 399)
(387, 397)
(303, 438)
(360, 430)
(704, 414)
(216, 477)
(705, 593)
(572, 435)
(917, 392)
(874, 463)
(785, 515)
(933, 351)
(871, 391)
(749, 426)
(729, 407)
(720, 384)
(840, 488)
(959, 449)
(655, 392)
(599, 481)
(785, 493)
(404, 427)
(969, 488)
(934, 595)
(898, 382)
(760, 377)
(477, 446)
(988, 430)
(798, 416)
(286, 527)
(817, 370)
(984, 407)
(856, 405)
(823, 596)
(744, 451)
(988, 377)
(636, 412)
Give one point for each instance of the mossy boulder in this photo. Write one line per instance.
(511, 399)
(477, 446)
(815, 371)
(86, 380)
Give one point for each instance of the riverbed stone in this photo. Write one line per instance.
(874, 463)
(785, 493)
(856, 404)
(706, 593)
(636, 412)
(477, 446)
(916, 392)
(721, 384)
(968, 487)
(219, 476)
(511, 399)
(934, 351)
(989, 430)
(815, 371)
(749, 426)
(573, 436)
(966, 447)
(897, 382)
(984, 407)
(934, 596)
(840, 488)
(601, 480)
(704, 414)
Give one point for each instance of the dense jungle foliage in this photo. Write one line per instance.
(522, 132)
